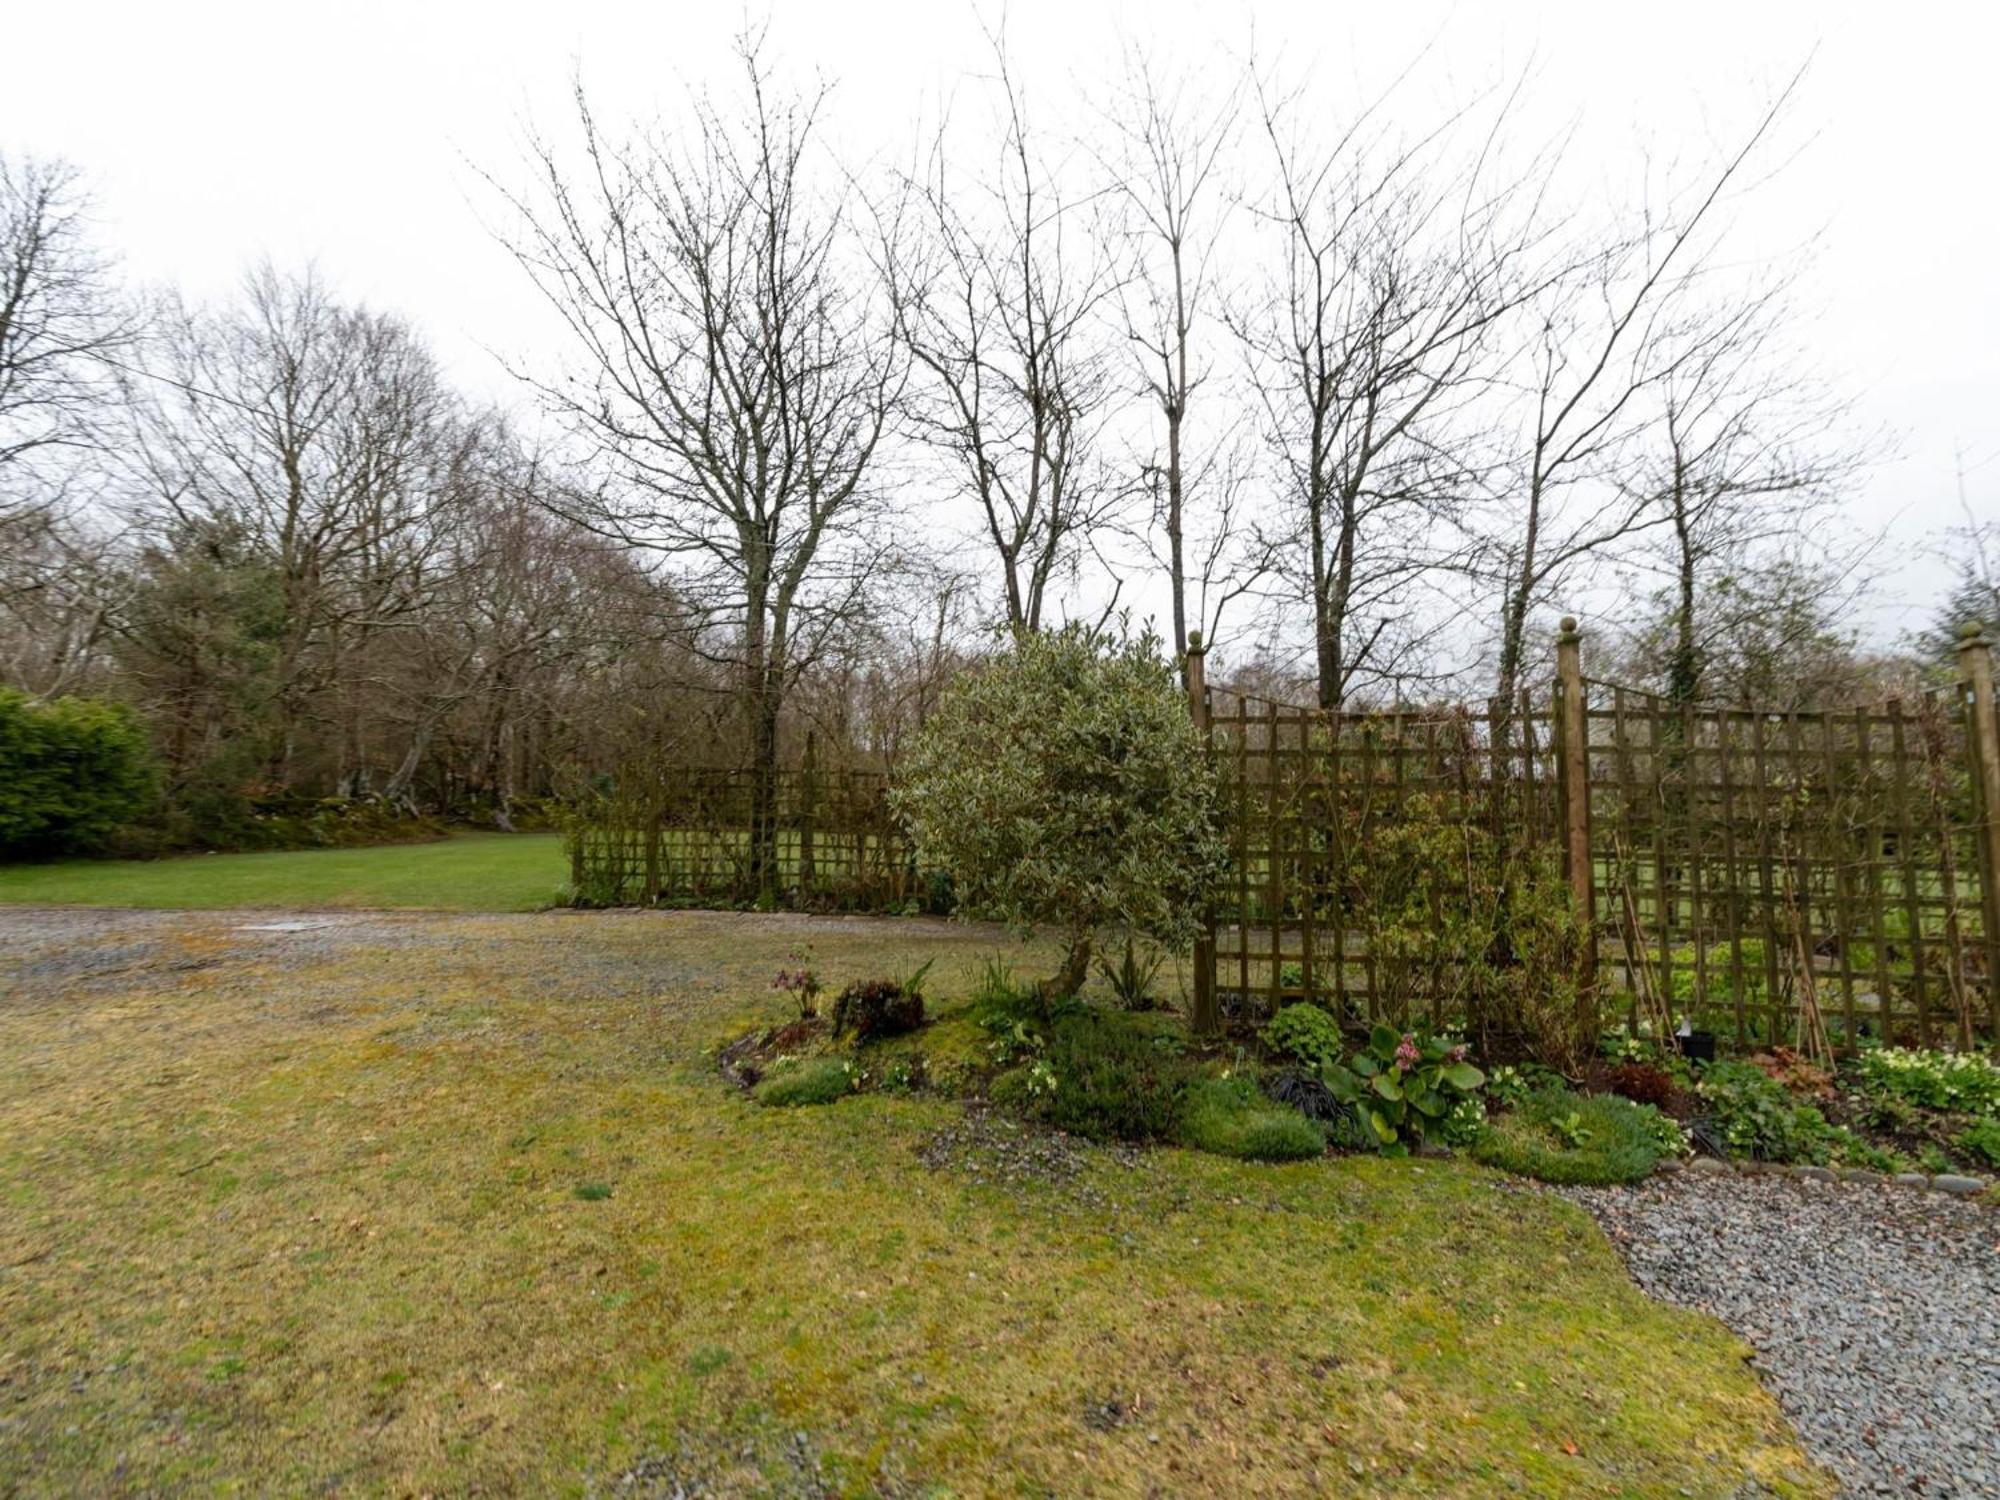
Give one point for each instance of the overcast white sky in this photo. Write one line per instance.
(214, 134)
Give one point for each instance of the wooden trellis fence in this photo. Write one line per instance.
(1740, 866)
(686, 841)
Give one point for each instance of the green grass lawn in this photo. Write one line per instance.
(448, 1205)
(467, 872)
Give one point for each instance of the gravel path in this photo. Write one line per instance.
(1875, 1313)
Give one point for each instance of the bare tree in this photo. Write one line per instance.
(63, 329)
(60, 324)
(1174, 176)
(1743, 460)
(1602, 339)
(321, 439)
(1366, 346)
(1000, 281)
(738, 376)
(61, 585)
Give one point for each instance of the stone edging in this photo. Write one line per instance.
(1963, 1187)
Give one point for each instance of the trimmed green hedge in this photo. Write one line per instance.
(71, 771)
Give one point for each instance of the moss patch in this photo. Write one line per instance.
(295, 1214)
(1564, 1137)
(1230, 1118)
(820, 1080)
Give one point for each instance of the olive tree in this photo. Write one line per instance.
(1062, 784)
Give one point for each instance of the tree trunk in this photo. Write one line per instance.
(764, 794)
(1684, 671)
(1074, 971)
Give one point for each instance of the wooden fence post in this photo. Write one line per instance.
(1982, 741)
(808, 811)
(1205, 1019)
(1573, 764)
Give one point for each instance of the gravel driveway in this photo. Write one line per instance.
(1875, 1312)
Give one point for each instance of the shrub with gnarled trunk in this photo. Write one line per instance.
(1063, 785)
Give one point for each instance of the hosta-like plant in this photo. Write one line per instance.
(1406, 1087)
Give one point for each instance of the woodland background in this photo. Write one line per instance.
(1368, 395)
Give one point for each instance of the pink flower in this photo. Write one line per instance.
(1407, 1055)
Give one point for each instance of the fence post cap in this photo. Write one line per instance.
(1194, 642)
(1569, 632)
(1970, 635)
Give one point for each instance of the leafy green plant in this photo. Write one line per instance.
(875, 1008)
(1846, 1149)
(1620, 1044)
(1958, 1082)
(1752, 1115)
(1404, 1086)
(593, 1192)
(1062, 783)
(1229, 1117)
(1508, 1085)
(1571, 1130)
(902, 1075)
(1892, 1113)
(1668, 1133)
(1307, 1033)
(1981, 1141)
(823, 1080)
(1561, 1136)
(1010, 1035)
(1466, 1122)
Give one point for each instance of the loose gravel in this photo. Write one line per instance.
(1874, 1311)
